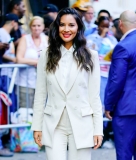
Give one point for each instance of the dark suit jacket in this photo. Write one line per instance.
(120, 93)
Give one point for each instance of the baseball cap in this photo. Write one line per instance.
(12, 17)
(49, 8)
(82, 5)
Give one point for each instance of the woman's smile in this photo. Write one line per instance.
(66, 35)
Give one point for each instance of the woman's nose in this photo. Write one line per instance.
(66, 28)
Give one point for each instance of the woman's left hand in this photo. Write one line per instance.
(97, 141)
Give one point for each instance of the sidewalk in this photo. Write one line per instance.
(100, 154)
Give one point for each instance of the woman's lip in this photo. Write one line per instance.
(66, 35)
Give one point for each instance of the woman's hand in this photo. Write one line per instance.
(97, 141)
(104, 32)
(38, 137)
(4, 45)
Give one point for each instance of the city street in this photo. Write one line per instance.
(100, 154)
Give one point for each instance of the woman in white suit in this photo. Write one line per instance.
(67, 107)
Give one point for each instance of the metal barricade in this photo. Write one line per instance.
(16, 68)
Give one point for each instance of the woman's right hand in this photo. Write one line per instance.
(38, 138)
(35, 62)
(104, 32)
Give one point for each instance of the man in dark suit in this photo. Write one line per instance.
(120, 94)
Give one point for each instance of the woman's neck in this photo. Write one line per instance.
(36, 40)
(35, 36)
(67, 45)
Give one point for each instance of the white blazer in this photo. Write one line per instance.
(81, 99)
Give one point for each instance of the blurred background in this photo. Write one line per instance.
(115, 7)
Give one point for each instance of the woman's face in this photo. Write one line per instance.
(68, 29)
(37, 27)
(103, 25)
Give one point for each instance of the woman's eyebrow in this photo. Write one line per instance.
(71, 23)
(65, 23)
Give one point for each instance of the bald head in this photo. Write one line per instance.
(128, 18)
(127, 21)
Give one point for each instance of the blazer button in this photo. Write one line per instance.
(80, 84)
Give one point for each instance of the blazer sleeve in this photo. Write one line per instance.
(40, 94)
(94, 93)
(117, 77)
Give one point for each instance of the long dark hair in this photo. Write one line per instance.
(81, 53)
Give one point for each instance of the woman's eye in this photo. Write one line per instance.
(71, 25)
(61, 24)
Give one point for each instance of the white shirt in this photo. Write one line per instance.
(65, 64)
(124, 36)
(5, 38)
(28, 77)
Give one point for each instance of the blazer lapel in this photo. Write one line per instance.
(59, 78)
(73, 74)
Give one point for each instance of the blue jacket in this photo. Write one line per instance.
(120, 93)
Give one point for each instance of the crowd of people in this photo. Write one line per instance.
(102, 34)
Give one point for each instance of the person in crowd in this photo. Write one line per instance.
(81, 6)
(102, 13)
(120, 94)
(51, 10)
(10, 24)
(28, 52)
(47, 22)
(17, 7)
(117, 34)
(103, 42)
(90, 27)
(116, 30)
(69, 74)
(8, 52)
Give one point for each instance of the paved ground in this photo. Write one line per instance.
(100, 154)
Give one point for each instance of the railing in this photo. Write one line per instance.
(16, 68)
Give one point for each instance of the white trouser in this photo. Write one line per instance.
(63, 136)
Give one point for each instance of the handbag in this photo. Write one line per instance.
(22, 138)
